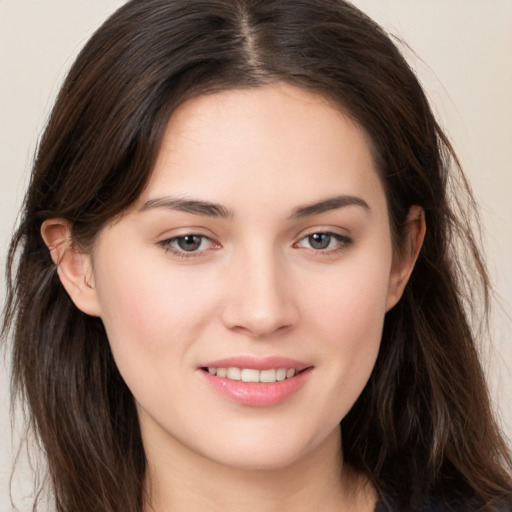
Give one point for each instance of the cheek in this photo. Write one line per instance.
(348, 316)
(150, 312)
(353, 325)
(350, 302)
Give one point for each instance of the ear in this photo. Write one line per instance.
(405, 257)
(74, 267)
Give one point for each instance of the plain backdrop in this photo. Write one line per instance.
(462, 52)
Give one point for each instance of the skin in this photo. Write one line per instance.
(255, 286)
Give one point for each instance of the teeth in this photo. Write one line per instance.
(234, 374)
(267, 376)
(251, 375)
(281, 374)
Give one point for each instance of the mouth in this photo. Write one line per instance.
(256, 382)
(253, 375)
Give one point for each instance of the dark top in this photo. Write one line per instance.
(436, 506)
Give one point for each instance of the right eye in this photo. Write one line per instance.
(187, 245)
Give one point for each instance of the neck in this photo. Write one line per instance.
(184, 481)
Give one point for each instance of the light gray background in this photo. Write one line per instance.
(464, 58)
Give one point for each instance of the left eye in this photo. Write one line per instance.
(323, 241)
(187, 243)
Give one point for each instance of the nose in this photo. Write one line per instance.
(260, 299)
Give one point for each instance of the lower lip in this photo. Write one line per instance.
(257, 394)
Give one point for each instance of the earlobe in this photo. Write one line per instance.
(405, 258)
(74, 267)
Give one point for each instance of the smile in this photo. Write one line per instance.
(256, 382)
(252, 375)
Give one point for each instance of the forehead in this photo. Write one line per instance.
(275, 143)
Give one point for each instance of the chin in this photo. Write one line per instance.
(270, 452)
(258, 460)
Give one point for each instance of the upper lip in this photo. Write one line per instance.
(257, 363)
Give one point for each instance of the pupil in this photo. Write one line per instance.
(189, 242)
(319, 240)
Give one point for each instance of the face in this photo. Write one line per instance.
(261, 251)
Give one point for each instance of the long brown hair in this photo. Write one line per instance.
(422, 430)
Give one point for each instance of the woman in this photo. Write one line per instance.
(237, 238)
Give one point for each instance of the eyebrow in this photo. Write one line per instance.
(193, 206)
(331, 203)
(209, 209)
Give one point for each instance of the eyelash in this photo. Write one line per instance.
(170, 244)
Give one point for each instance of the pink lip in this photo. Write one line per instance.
(257, 394)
